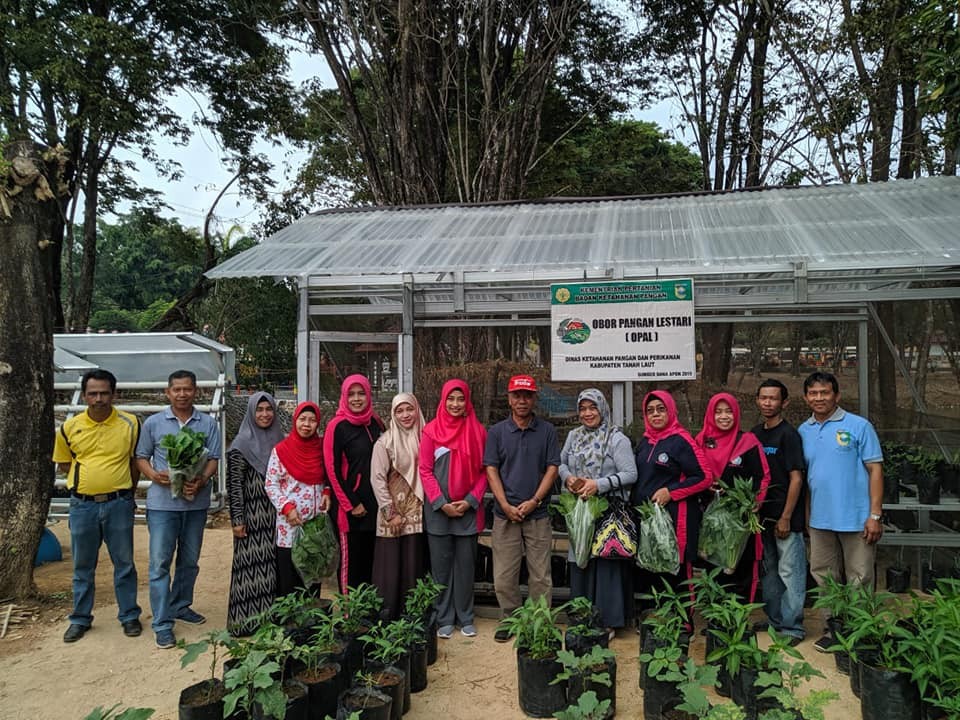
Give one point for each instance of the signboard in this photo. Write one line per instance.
(623, 331)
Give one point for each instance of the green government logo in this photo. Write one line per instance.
(573, 331)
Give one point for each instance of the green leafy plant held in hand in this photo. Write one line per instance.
(185, 457)
(315, 552)
(727, 524)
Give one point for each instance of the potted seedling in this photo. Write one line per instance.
(537, 640)
(836, 599)
(588, 707)
(722, 610)
(594, 671)
(317, 669)
(409, 633)
(876, 640)
(894, 462)
(665, 645)
(254, 686)
(388, 680)
(357, 611)
(745, 661)
(299, 614)
(933, 653)
(99, 713)
(364, 701)
(389, 645)
(783, 684)
(419, 604)
(274, 642)
(950, 474)
(925, 474)
(584, 630)
(204, 700)
(898, 576)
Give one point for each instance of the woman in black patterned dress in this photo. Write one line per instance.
(253, 576)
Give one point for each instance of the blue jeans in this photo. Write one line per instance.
(91, 525)
(785, 582)
(180, 530)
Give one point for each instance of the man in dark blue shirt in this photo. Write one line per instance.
(522, 457)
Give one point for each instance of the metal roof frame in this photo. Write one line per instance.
(764, 255)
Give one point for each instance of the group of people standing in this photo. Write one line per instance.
(408, 495)
(104, 452)
(385, 485)
(825, 478)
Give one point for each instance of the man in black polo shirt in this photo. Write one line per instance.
(784, 554)
(522, 457)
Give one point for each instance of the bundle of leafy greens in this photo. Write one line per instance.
(657, 549)
(315, 550)
(185, 457)
(728, 522)
(581, 517)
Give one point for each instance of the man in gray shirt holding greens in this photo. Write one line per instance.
(175, 524)
(522, 457)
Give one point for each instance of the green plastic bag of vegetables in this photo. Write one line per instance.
(727, 524)
(580, 516)
(315, 551)
(657, 550)
(186, 456)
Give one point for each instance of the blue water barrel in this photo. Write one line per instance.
(49, 549)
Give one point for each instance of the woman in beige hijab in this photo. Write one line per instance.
(398, 557)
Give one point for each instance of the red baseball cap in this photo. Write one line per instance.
(522, 382)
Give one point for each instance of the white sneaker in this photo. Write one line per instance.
(468, 631)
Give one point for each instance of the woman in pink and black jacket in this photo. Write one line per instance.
(671, 471)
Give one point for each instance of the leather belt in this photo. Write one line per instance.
(102, 497)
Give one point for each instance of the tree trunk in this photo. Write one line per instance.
(923, 356)
(797, 349)
(26, 369)
(910, 139)
(886, 367)
(716, 342)
(83, 302)
(761, 42)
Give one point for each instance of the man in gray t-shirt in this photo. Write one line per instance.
(522, 457)
(175, 524)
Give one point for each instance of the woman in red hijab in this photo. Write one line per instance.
(347, 450)
(671, 471)
(732, 453)
(295, 485)
(454, 481)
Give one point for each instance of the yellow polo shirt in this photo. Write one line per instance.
(99, 453)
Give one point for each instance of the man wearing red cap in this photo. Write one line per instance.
(522, 457)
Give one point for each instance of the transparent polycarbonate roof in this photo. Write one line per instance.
(141, 357)
(910, 225)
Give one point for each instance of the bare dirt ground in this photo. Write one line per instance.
(42, 678)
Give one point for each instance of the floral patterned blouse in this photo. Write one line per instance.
(285, 491)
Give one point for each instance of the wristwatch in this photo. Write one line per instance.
(875, 517)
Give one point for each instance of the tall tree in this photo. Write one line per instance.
(30, 178)
(443, 101)
(95, 76)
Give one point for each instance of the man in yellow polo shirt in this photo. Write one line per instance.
(96, 450)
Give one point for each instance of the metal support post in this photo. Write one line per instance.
(405, 347)
(303, 338)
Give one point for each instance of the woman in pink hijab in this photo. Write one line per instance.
(454, 481)
(347, 449)
(732, 453)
